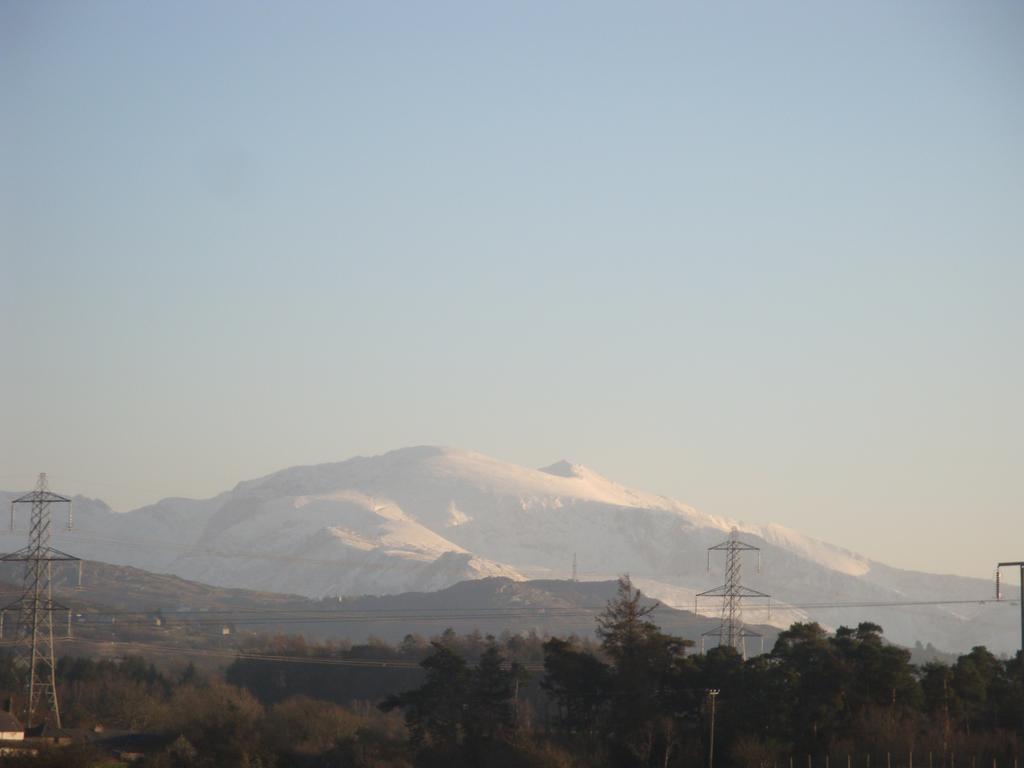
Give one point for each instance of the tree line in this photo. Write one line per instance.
(633, 697)
(642, 699)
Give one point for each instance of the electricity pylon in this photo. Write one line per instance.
(731, 632)
(36, 607)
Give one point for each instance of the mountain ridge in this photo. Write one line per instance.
(427, 517)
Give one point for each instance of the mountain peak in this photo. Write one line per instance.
(565, 468)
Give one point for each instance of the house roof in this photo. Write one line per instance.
(9, 722)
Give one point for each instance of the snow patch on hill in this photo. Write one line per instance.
(832, 557)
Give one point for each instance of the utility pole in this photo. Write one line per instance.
(36, 606)
(574, 567)
(731, 632)
(1017, 564)
(712, 694)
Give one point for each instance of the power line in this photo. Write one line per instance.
(280, 617)
(530, 611)
(876, 604)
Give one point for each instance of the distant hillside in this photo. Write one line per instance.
(492, 605)
(121, 602)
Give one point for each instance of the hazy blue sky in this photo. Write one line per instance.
(767, 258)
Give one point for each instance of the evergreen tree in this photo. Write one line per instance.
(580, 685)
(818, 680)
(642, 659)
(981, 686)
(490, 716)
(624, 628)
(879, 675)
(434, 712)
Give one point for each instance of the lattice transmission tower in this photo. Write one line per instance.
(36, 607)
(731, 631)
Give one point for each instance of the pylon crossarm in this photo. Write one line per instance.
(16, 557)
(719, 632)
(716, 592)
(46, 554)
(55, 555)
(44, 605)
(748, 592)
(723, 591)
(45, 497)
(727, 545)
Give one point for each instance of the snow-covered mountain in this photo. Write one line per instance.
(425, 518)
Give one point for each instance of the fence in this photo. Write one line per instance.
(900, 760)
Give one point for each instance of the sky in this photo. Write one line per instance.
(766, 258)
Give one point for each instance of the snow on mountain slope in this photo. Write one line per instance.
(427, 517)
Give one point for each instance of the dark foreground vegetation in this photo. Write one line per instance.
(636, 697)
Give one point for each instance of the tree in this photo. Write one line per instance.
(623, 627)
(491, 716)
(642, 659)
(434, 711)
(880, 675)
(302, 725)
(981, 686)
(579, 683)
(818, 681)
(225, 724)
(460, 712)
